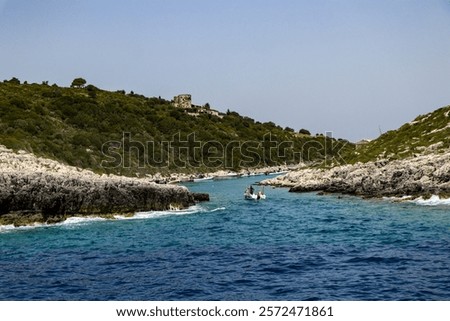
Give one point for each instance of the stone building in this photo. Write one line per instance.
(183, 101)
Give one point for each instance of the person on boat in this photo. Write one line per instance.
(251, 189)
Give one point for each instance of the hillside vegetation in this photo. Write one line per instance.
(426, 134)
(129, 134)
(410, 162)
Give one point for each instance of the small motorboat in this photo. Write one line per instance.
(202, 179)
(227, 176)
(250, 194)
(278, 173)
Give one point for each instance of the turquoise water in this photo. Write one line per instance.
(287, 247)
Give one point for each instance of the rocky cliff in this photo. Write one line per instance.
(412, 160)
(41, 190)
(416, 176)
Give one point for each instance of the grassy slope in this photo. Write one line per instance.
(426, 134)
(71, 125)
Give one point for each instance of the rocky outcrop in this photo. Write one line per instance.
(201, 197)
(422, 175)
(40, 190)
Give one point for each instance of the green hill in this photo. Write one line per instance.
(116, 132)
(428, 133)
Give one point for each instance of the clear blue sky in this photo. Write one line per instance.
(346, 66)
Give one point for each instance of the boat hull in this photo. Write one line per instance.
(254, 196)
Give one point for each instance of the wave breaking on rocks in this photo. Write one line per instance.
(34, 189)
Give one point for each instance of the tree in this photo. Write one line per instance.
(92, 91)
(289, 129)
(14, 80)
(78, 83)
(304, 132)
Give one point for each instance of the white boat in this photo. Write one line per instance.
(256, 196)
(197, 180)
(251, 174)
(227, 176)
(278, 173)
(250, 195)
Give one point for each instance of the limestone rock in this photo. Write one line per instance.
(40, 190)
(427, 174)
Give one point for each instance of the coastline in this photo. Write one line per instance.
(176, 178)
(35, 190)
(421, 176)
(39, 190)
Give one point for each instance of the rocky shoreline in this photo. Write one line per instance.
(424, 175)
(176, 178)
(38, 190)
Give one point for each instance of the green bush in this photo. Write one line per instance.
(72, 124)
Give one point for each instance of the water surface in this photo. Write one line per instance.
(288, 247)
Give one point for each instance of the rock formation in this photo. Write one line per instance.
(422, 175)
(41, 190)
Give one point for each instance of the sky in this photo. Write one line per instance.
(351, 67)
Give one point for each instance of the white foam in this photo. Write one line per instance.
(74, 221)
(191, 210)
(156, 214)
(80, 220)
(434, 200)
(398, 199)
(4, 228)
(7, 228)
(218, 209)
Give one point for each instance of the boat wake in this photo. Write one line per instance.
(155, 214)
(217, 209)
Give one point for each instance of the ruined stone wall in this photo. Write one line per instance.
(182, 101)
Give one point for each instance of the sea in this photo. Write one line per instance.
(287, 247)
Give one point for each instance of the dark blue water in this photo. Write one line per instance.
(288, 247)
